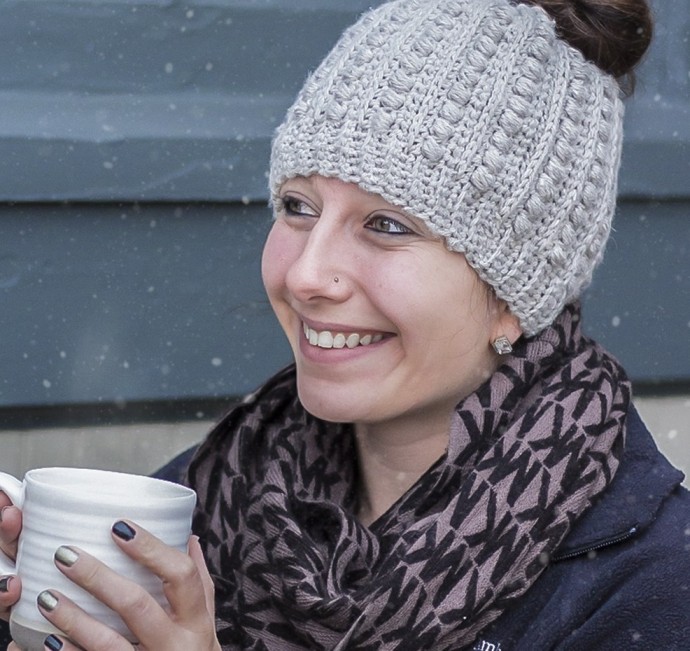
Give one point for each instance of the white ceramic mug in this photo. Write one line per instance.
(75, 506)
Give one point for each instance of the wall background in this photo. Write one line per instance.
(133, 148)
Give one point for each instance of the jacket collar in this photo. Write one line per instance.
(644, 480)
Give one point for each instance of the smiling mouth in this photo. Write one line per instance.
(329, 339)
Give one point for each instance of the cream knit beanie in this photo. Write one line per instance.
(473, 116)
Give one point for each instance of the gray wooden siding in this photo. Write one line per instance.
(133, 150)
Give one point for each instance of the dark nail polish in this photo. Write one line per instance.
(5, 583)
(123, 531)
(52, 643)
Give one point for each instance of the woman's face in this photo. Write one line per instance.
(384, 322)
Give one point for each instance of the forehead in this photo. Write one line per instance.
(325, 185)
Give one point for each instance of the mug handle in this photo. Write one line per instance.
(14, 489)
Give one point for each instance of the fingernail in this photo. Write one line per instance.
(5, 583)
(123, 531)
(47, 600)
(66, 556)
(53, 643)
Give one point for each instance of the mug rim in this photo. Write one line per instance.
(52, 476)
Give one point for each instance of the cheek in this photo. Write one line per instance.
(275, 261)
(457, 310)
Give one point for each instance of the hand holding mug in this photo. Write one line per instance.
(74, 509)
(10, 527)
(186, 621)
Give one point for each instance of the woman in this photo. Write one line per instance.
(450, 463)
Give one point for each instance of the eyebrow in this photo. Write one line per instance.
(310, 181)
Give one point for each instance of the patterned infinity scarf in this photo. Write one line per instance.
(528, 452)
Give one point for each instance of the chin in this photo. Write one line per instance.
(330, 410)
(329, 413)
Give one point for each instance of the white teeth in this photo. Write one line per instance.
(326, 339)
(352, 341)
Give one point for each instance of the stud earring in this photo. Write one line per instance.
(502, 345)
(336, 279)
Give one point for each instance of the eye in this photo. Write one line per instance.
(295, 207)
(385, 224)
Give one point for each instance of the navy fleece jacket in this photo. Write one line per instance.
(621, 580)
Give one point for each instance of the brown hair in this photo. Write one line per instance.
(613, 34)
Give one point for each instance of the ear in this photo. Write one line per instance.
(506, 324)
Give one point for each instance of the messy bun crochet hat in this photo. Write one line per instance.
(473, 116)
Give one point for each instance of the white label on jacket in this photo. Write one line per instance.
(483, 645)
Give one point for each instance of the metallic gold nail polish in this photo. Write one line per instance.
(47, 600)
(66, 556)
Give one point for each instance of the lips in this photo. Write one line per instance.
(335, 339)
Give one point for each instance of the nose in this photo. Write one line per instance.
(320, 270)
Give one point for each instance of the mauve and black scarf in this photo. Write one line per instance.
(528, 453)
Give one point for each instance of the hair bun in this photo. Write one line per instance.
(613, 34)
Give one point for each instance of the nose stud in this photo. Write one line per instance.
(336, 279)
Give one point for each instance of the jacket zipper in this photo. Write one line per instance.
(622, 537)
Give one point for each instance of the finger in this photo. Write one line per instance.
(10, 590)
(79, 627)
(59, 643)
(182, 581)
(197, 556)
(4, 499)
(10, 526)
(139, 610)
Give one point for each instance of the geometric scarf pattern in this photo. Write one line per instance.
(528, 453)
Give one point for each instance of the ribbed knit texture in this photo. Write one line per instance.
(474, 117)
